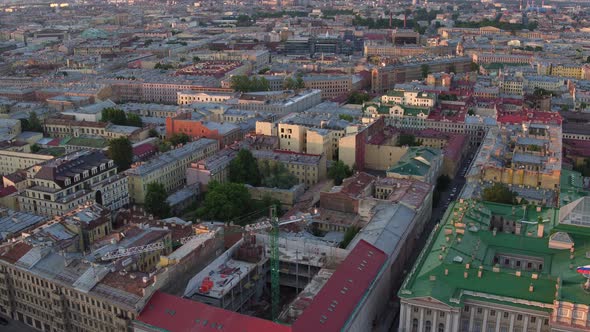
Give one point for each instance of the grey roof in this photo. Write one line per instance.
(170, 157)
(12, 222)
(96, 108)
(530, 141)
(526, 158)
(387, 227)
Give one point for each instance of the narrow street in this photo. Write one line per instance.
(437, 211)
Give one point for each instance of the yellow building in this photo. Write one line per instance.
(11, 162)
(168, 168)
(307, 168)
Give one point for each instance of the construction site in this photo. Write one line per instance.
(241, 279)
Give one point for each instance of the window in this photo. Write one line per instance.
(479, 310)
(519, 317)
(441, 327)
(414, 325)
(428, 326)
(505, 315)
(533, 319)
(466, 309)
(493, 313)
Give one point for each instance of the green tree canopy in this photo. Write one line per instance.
(119, 117)
(499, 193)
(153, 133)
(225, 202)
(34, 124)
(358, 98)
(276, 175)
(134, 120)
(155, 200)
(244, 169)
(181, 138)
(425, 70)
(244, 83)
(114, 115)
(407, 140)
(349, 235)
(339, 171)
(121, 151)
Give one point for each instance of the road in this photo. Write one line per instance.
(437, 211)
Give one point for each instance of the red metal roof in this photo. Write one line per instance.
(174, 314)
(337, 300)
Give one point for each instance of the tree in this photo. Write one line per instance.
(177, 139)
(346, 117)
(244, 169)
(474, 66)
(243, 83)
(153, 133)
(226, 202)
(425, 70)
(349, 235)
(358, 98)
(113, 115)
(35, 148)
(196, 59)
(134, 120)
(499, 193)
(338, 172)
(276, 175)
(34, 123)
(289, 83)
(155, 200)
(407, 140)
(121, 151)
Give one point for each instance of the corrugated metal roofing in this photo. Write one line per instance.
(174, 314)
(337, 300)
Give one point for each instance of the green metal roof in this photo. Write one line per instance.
(478, 246)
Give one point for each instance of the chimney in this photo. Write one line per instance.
(465, 274)
(518, 273)
(446, 272)
(531, 288)
(517, 228)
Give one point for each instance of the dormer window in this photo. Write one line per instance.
(102, 167)
(94, 170)
(77, 178)
(111, 163)
(67, 181)
(85, 174)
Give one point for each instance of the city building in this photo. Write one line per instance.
(420, 163)
(59, 185)
(11, 162)
(168, 169)
(225, 133)
(309, 169)
(498, 267)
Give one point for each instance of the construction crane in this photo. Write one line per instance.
(274, 224)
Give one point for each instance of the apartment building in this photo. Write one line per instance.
(224, 133)
(418, 163)
(385, 78)
(212, 168)
(409, 98)
(57, 186)
(520, 155)
(573, 70)
(331, 86)
(66, 126)
(280, 102)
(168, 168)
(501, 269)
(49, 283)
(11, 161)
(191, 97)
(309, 169)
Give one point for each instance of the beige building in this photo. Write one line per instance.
(168, 168)
(527, 155)
(331, 86)
(307, 168)
(57, 186)
(409, 98)
(191, 97)
(11, 162)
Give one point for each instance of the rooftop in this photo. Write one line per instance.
(465, 244)
(176, 314)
